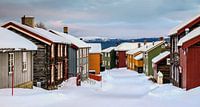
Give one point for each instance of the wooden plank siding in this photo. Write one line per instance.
(46, 66)
(20, 76)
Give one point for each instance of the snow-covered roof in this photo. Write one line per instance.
(126, 46)
(139, 57)
(151, 46)
(95, 47)
(43, 33)
(194, 33)
(74, 40)
(160, 56)
(183, 24)
(108, 49)
(9, 39)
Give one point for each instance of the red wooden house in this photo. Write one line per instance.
(121, 53)
(189, 48)
(175, 35)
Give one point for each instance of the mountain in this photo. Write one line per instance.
(105, 42)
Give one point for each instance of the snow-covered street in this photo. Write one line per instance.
(119, 88)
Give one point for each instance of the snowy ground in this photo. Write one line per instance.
(120, 88)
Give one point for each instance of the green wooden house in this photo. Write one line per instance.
(109, 58)
(149, 52)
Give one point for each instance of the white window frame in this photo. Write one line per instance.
(52, 51)
(168, 61)
(24, 61)
(11, 63)
(52, 73)
(61, 70)
(61, 50)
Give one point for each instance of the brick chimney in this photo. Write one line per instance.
(65, 30)
(28, 20)
(145, 42)
(161, 38)
(139, 45)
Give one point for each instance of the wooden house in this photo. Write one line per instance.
(50, 59)
(78, 55)
(176, 34)
(109, 57)
(149, 52)
(189, 50)
(132, 63)
(16, 60)
(161, 63)
(121, 53)
(139, 63)
(95, 57)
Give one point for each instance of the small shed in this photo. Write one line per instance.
(189, 48)
(161, 63)
(16, 60)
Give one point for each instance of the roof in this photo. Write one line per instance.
(160, 56)
(74, 40)
(139, 57)
(41, 32)
(9, 39)
(126, 46)
(183, 24)
(108, 49)
(152, 46)
(95, 47)
(133, 51)
(194, 33)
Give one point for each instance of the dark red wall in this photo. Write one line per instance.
(121, 57)
(193, 67)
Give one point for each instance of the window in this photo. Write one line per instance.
(108, 63)
(65, 50)
(58, 50)
(105, 54)
(11, 63)
(61, 70)
(108, 54)
(52, 51)
(52, 73)
(24, 61)
(168, 61)
(61, 50)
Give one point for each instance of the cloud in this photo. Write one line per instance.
(114, 18)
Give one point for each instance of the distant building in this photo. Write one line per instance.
(50, 59)
(95, 57)
(16, 60)
(121, 53)
(109, 57)
(184, 58)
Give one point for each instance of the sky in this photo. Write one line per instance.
(104, 18)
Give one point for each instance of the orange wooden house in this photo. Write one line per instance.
(94, 58)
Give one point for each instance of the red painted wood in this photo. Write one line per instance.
(189, 25)
(95, 77)
(191, 42)
(121, 57)
(183, 69)
(193, 67)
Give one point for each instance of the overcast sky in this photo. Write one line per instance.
(107, 18)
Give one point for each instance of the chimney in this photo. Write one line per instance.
(145, 42)
(161, 38)
(65, 30)
(187, 30)
(28, 20)
(139, 45)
